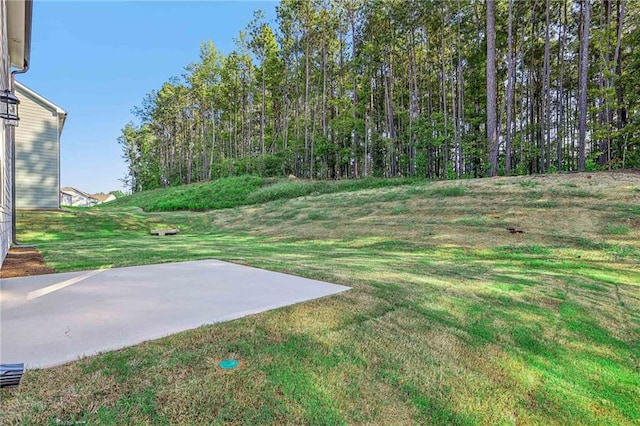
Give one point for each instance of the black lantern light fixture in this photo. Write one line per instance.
(9, 107)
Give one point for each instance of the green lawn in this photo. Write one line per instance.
(452, 319)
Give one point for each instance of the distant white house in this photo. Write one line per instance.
(73, 197)
(66, 198)
(38, 150)
(103, 198)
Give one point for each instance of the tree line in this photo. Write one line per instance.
(340, 89)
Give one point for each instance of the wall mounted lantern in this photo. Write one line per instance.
(9, 107)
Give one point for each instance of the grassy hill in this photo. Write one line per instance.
(453, 318)
(240, 191)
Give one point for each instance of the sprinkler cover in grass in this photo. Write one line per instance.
(228, 364)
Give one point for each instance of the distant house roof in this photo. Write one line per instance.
(70, 190)
(103, 197)
(62, 114)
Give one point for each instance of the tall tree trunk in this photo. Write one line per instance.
(492, 128)
(460, 89)
(603, 83)
(307, 153)
(204, 144)
(545, 159)
(263, 111)
(617, 60)
(560, 125)
(213, 142)
(414, 112)
(387, 77)
(354, 94)
(510, 89)
(584, 68)
(445, 148)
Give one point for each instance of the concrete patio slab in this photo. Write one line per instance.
(48, 320)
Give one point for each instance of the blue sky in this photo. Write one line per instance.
(97, 60)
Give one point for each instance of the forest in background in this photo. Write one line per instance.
(339, 89)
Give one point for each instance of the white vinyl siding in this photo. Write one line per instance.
(37, 155)
(5, 146)
(65, 199)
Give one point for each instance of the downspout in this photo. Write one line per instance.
(28, 12)
(14, 240)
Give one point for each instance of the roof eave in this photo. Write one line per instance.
(19, 14)
(23, 88)
(62, 117)
(62, 114)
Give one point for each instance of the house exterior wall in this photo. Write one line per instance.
(6, 133)
(37, 155)
(82, 201)
(65, 199)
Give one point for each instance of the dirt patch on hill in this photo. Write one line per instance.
(22, 262)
